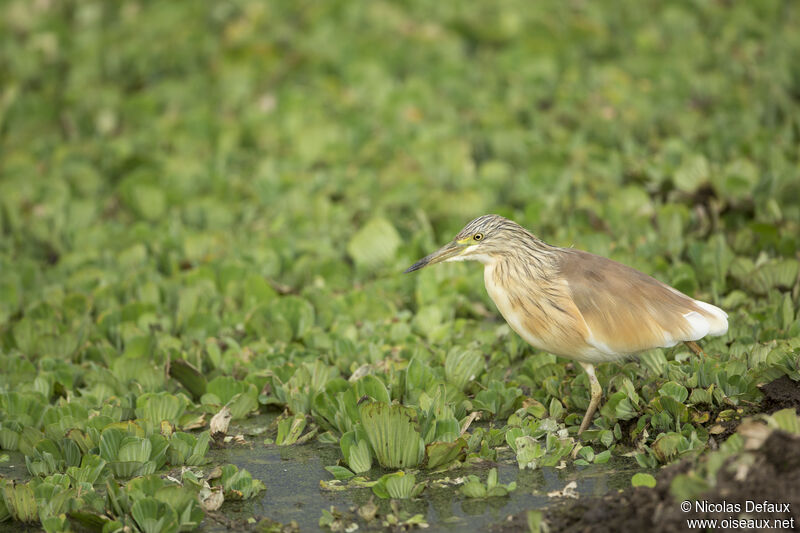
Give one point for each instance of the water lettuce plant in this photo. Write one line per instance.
(290, 430)
(18, 502)
(236, 484)
(130, 455)
(164, 260)
(161, 406)
(398, 485)
(357, 451)
(392, 434)
(150, 503)
(188, 449)
(241, 398)
(473, 488)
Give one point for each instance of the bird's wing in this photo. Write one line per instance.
(627, 311)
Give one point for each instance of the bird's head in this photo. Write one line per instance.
(482, 240)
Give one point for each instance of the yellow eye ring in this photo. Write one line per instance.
(477, 236)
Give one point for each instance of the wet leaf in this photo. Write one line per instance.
(641, 479)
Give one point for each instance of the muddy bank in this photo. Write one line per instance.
(780, 394)
(773, 476)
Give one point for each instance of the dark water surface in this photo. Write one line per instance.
(292, 475)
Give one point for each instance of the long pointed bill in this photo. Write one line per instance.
(445, 252)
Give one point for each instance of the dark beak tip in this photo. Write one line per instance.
(416, 266)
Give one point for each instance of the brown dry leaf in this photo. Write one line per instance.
(716, 429)
(360, 372)
(568, 491)
(368, 510)
(210, 499)
(469, 420)
(215, 473)
(196, 423)
(219, 423)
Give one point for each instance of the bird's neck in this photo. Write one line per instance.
(530, 258)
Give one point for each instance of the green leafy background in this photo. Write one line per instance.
(239, 185)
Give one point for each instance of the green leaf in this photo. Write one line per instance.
(339, 472)
(556, 409)
(298, 313)
(153, 516)
(440, 454)
(674, 390)
(536, 523)
(473, 488)
(641, 479)
(374, 244)
(787, 420)
(373, 387)
(693, 173)
(462, 366)
(781, 274)
(238, 484)
(159, 406)
(148, 201)
(188, 376)
(19, 500)
(529, 452)
(737, 179)
(110, 442)
(290, 429)
(134, 449)
(398, 485)
(392, 434)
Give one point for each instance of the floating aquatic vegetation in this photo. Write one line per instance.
(188, 449)
(392, 433)
(188, 376)
(50, 457)
(130, 455)
(290, 430)
(240, 397)
(441, 454)
(356, 450)
(463, 366)
(398, 485)
(236, 484)
(18, 501)
(161, 406)
(498, 400)
(473, 488)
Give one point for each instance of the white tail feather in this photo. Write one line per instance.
(718, 322)
(699, 324)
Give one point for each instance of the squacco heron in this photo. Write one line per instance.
(575, 304)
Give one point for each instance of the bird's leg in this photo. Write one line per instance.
(694, 347)
(597, 392)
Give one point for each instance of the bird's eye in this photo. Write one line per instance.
(477, 236)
